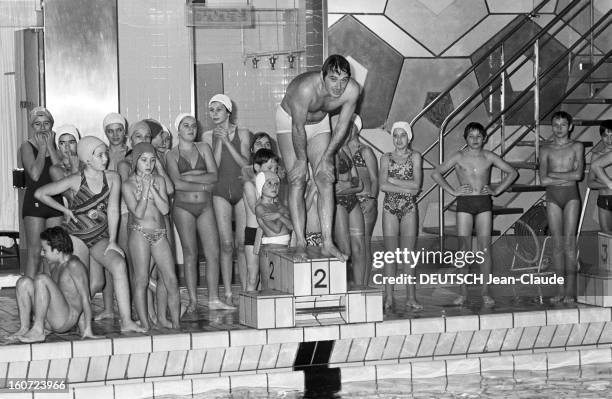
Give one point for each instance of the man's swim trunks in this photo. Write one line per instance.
(283, 124)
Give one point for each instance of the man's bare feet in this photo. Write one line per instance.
(299, 254)
(217, 304)
(333, 252)
(105, 314)
(32, 336)
(131, 326)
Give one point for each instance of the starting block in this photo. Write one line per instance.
(319, 275)
(308, 292)
(266, 309)
(595, 288)
(320, 310)
(604, 246)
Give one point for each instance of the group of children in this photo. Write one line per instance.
(118, 205)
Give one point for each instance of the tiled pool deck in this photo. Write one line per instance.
(213, 352)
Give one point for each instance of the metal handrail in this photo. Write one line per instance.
(485, 86)
(546, 74)
(525, 18)
(466, 102)
(522, 96)
(509, 63)
(521, 100)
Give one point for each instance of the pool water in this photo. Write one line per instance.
(591, 381)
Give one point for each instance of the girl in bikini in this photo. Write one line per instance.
(400, 179)
(365, 161)
(147, 201)
(349, 225)
(193, 170)
(93, 216)
(230, 146)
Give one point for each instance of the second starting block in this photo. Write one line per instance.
(311, 291)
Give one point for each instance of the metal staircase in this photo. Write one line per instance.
(521, 143)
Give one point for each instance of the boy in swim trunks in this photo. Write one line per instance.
(59, 300)
(600, 161)
(473, 167)
(303, 135)
(272, 216)
(561, 168)
(264, 160)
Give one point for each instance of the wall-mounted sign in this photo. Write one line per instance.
(203, 16)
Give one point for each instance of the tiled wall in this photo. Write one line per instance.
(254, 91)
(155, 61)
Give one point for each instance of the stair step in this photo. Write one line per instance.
(588, 101)
(524, 165)
(598, 80)
(524, 188)
(531, 143)
(497, 210)
(452, 231)
(586, 122)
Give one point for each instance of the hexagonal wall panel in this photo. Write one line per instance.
(440, 110)
(349, 37)
(434, 75)
(436, 31)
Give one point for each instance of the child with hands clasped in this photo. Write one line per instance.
(147, 200)
(264, 160)
(272, 216)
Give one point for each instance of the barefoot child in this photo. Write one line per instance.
(147, 201)
(273, 217)
(264, 160)
(474, 205)
(561, 168)
(59, 300)
(93, 217)
(601, 160)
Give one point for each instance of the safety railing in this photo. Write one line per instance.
(497, 81)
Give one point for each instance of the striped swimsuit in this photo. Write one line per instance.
(89, 209)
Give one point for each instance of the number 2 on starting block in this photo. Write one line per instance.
(320, 278)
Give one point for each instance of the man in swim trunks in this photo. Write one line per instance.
(303, 134)
(561, 168)
(473, 167)
(600, 162)
(60, 300)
